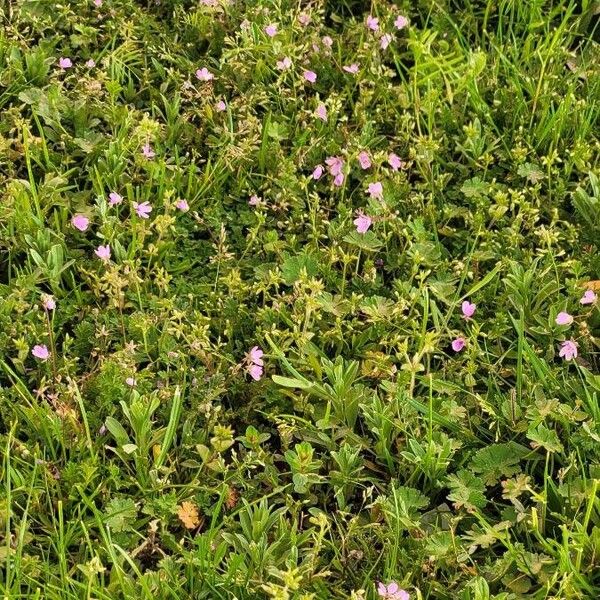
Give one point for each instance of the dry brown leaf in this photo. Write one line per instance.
(232, 498)
(188, 515)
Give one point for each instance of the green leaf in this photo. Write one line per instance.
(291, 382)
(498, 460)
(120, 514)
(466, 490)
(293, 265)
(474, 188)
(546, 438)
(365, 241)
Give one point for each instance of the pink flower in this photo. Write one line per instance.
(468, 309)
(130, 381)
(271, 30)
(91, 63)
(458, 344)
(98, 3)
(103, 252)
(372, 23)
(255, 371)
(568, 350)
(254, 200)
(114, 198)
(327, 41)
(395, 161)
(353, 68)
(284, 63)
(220, 106)
(564, 318)
(147, 151)
(41, 351)
(335, 164)
(48, 302)
(364, 160)
(204, 74)
(401, 22)
(65, 63)
(589, 297)
(310, 76)
(385, 40)
(303, 19)
(182, 205)
(80, 222)
(143, 210)
(255, 362)
(363, 222)
(318, 172)
(321, 112)
(376, 190)
(255, 356)
(391, 591)
(338, 180)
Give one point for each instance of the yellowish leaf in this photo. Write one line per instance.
(188, 515)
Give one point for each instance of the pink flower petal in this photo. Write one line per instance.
(564, 318)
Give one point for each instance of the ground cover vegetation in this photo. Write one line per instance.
(299, 300)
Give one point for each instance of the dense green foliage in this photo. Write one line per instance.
(145, 453)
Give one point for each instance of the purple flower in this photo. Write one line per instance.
(204, 74)
(352, 69)
(182, 205)
(589, 297)
(114, 198)
(103, 252)
(271, 30)
(335, 165)
(376, 190)
(65, 63)
(284, 64)
(143, 210)
(310, 76)
(255, 363)
(372, 23)
(395, 161)
(468, 309)
(321, 112)
(41, 351)
(401, 22)
(391, 591)
(363, 222)
(256, 356)
(458, 344)
(147, 151)
(80, 222)
(318, 172)
(48, 302)
(568, 350)
(364, 160)
(564, 318)
(385, 40)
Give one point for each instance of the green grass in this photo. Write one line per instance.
(368, 450)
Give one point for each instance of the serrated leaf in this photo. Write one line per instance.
(498, 460)
(545, 438)
(466, 490)
(474, 188)
(120, 514)
(365, 241)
